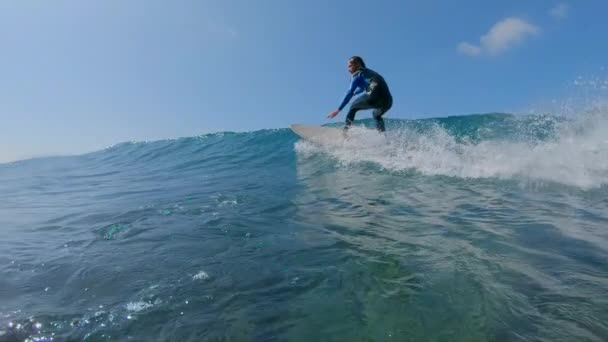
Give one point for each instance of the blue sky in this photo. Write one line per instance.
(78, 76)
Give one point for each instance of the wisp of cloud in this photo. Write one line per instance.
(502, 36)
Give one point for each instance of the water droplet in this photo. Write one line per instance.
(186, 302)
(46, 289)
(129, 317)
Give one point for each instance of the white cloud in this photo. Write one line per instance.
(502, 36)
(469, 49)
(560, 11)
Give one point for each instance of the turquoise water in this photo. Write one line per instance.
(477, 228)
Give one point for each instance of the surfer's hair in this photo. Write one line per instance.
(358, 60)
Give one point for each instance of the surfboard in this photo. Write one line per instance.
(319, 134)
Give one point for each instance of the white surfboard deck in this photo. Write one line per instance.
(319, 134)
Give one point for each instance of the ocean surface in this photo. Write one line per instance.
(488, 227)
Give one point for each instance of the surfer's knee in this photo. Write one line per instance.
(378, 112)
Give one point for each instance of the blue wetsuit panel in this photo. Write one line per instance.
(357, 85)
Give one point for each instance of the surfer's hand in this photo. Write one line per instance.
(334, 113)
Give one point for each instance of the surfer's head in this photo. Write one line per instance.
(355, 63)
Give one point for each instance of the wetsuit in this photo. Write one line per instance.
(377, 96)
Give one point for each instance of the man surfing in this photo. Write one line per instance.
(377, 95)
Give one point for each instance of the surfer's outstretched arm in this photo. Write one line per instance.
(356, 86)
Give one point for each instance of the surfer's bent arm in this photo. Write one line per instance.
(356, 87)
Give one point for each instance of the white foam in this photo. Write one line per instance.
(138, 306)
(202, 275)
(577, 156)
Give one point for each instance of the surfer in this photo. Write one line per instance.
(377, 95)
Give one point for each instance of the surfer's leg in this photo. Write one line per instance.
(379, 121)
(362, 102)
(378, 112)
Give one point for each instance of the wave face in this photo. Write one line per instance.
(480, 227)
